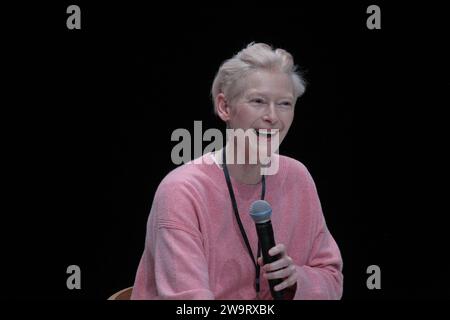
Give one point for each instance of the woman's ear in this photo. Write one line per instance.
(222, 107)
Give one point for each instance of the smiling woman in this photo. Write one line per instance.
(231, 78)
(199, 237)
(265, 104)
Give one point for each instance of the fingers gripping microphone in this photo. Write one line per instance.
(260, 211)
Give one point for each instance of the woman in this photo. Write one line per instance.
(201, 242)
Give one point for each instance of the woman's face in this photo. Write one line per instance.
(266, 101)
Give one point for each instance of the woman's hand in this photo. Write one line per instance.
(283, 268)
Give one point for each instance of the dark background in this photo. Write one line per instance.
(88, 115)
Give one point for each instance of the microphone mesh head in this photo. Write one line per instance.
(260, 211)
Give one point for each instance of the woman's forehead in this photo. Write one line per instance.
(268, 83)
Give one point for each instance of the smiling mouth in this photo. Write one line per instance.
(267, 133)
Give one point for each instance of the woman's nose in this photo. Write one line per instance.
(271, 114)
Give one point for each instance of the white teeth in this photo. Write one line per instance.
(265, 132)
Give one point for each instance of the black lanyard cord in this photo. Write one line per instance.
(238, 219)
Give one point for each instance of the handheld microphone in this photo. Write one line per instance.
(260, 211)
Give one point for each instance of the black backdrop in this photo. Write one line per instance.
(89, 113)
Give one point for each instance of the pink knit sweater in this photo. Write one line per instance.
(194, 248)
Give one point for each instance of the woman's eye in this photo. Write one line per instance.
(257, 100)
(286, 104)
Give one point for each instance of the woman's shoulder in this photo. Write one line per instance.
(191, 174)
(295, 173)
(293, 167)
(180, 193)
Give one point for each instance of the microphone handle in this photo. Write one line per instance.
(265, 236)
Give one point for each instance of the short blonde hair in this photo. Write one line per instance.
(256, 56)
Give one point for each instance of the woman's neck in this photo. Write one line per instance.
(245, 173)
